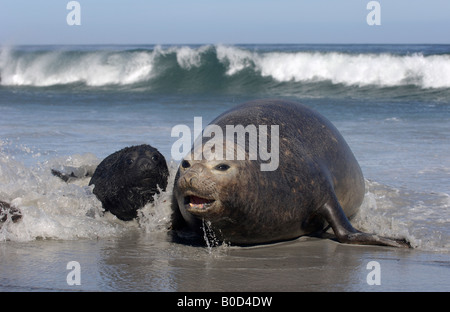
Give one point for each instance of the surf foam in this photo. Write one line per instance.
(51, 208)
(102, 67)
(422, 218)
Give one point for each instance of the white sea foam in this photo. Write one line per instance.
(236, 59)
(422, 218)
(341, 68)
(104, 67)
(188, 57)
(97, 68)
(156, 216)
(50, 207)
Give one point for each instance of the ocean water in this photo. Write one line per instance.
(71, 106)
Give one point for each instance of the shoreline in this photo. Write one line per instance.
(150, 263)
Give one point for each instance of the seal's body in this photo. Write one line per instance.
(318, 182)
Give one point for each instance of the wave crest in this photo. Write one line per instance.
(102, 67)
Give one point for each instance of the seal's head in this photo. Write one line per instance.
(221, 192)
(141, 167)
(128, 179)
(204, 186)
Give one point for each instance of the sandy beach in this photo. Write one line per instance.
(144, 262)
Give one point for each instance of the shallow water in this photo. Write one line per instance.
(143, 262)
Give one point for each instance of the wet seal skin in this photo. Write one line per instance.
(318, 183)
(126, 180)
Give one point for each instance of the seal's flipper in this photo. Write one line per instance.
(69, 174)
(346, 233)
(63, 176)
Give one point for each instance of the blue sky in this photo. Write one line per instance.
(223, 21)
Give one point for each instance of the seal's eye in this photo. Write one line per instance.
(185, 164)
(155, 158)
(130, 161)
(222, 167)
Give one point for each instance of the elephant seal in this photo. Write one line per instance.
(128, 179)
(125, 180)
(317, 184)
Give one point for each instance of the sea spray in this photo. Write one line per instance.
(52, 208)
(156, 216)
(208, 235)
(400, 213)
(152, 66)
(373, 218)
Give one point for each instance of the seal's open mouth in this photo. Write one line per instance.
(195, 203)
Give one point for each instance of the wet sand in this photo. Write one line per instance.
(150, 262)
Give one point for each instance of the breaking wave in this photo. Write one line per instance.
(218, 66)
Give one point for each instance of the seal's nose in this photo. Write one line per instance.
(145, 164)
(191, 180)
(188, 179)
(190, 176)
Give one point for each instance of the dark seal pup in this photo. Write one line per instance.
(317, 184)
(128, 179)
(125, 180)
